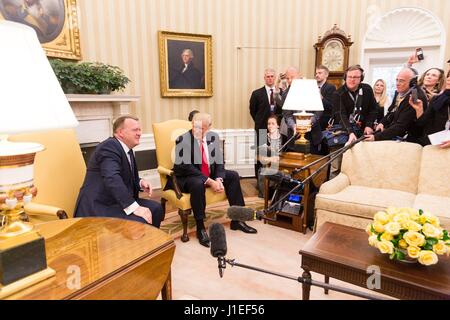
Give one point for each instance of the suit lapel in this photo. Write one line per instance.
(126, 163)
(265, 97)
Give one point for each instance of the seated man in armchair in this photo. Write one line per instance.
(199, 165)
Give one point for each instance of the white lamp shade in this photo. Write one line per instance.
(303, 95)
(31, 97)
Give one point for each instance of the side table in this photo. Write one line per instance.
(289, 161)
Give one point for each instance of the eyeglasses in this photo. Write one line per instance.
(356, 77)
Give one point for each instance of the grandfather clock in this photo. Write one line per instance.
(332, 51)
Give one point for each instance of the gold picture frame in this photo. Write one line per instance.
(55, 23)
(185, 64)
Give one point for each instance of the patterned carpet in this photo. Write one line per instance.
(214, 213)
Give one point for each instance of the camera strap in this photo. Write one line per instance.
(357, 102)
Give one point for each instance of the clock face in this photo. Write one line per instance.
(333, 56)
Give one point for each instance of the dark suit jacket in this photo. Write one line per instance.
(343, 107)
(399, 121)
(434, 117)
(188, 158)
(109, 186)
(327, 91)
(260, 108)
(192, 78)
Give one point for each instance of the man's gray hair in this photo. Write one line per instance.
(191, 53)
(269, 70)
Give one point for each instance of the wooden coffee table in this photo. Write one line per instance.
(343, 253)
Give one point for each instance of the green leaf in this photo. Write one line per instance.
(420, 212)
(400, 255)
(446, 236)
(379, 237)
(372, 229)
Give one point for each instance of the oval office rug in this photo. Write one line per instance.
(216, 213)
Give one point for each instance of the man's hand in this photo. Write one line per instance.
(147, 187)
(144, 213)
(369, 137)
(380, 127)
(215, 185)
(445, 144)
(368, 131)
(418, 106)
(351, 138)
(220, 184)
(412, 59)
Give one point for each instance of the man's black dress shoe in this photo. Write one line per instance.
(239, 225)
(203, 237)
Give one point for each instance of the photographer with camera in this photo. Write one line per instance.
(401, 116)
(436, 117)
(432, 81)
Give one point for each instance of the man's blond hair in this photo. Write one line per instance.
(203, 117)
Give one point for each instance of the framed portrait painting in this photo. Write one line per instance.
(55, 23)
(185, 64)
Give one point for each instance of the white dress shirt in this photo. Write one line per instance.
(133, 207)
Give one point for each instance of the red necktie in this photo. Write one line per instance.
(271, 98)
(205, 167)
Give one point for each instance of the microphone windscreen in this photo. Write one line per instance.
(218, 240)
(240, 213)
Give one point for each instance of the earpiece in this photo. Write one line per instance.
(352, 68)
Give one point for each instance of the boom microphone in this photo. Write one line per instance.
(242, 214)
(219, 250)
(218, 245)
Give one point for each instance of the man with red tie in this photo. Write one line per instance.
(199, 165)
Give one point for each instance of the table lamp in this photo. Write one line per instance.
(303, 95)
(31, 99)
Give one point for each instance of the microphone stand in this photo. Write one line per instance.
(338, 151)
(304, 280)
(301, 184)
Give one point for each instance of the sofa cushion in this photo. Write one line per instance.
(434, 176)
(384, 165)
(363, 201)
(439, 206)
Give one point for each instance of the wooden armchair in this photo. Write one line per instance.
(58, 174)
(166, 134)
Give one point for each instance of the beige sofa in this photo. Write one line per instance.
(376, 175)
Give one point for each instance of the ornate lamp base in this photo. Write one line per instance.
(303, 120)
(22, 249)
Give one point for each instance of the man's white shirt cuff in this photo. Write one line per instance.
(131, 208)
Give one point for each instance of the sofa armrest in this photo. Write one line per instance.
(335, 185)
(36, 209)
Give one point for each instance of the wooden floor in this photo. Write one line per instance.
(195, 274)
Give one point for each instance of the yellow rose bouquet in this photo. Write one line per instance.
(409, 235)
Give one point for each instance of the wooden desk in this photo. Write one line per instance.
(104, 258)
(343, 253)
(288, 162)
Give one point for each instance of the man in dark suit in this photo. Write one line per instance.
(262, 106)
(111, 186)
(199, 165)
(187, 76)
(326, 92)
(401, 116)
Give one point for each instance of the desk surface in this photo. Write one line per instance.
(103, 258)
(343, 253)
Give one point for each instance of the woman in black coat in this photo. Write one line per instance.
(436, 117)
